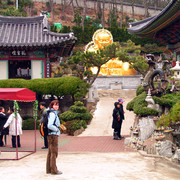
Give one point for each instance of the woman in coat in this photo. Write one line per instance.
(3, 119)
(11, 122)
(53, 134)
(118, 117)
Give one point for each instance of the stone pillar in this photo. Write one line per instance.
(95, 93)
(149, 100)
(90, 95)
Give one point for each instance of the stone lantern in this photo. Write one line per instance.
(176, 70)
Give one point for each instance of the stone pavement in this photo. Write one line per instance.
(92, 155)
(70, 143)
(98, 135)
(101, 124)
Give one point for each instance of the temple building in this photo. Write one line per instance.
(164, 27)
(28, 47)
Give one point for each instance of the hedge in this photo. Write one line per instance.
(28, 124)
(67, 85)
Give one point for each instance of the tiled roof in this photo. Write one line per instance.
(150, 26)
(30, 31)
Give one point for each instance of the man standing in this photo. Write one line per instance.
(3, 119)
(121, 112)
(42, 106)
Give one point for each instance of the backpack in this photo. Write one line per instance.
(44, 130)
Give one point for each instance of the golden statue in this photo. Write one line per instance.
(101, 38)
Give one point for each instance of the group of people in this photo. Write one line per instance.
(51, 140)
(8, 126)
(118, 117)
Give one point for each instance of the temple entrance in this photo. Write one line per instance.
(19, 69)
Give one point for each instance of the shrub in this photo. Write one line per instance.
(68, 116)
(76, 117)
(26, 117)
(168, 100)
(78, 109)
(139, 106)
(28, 124)
(76, 112)
(140, 98)
(145, 111)
(140, 90)
(59, 87)
(72, 126)
(172, 117)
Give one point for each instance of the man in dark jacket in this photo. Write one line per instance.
(42, 106)
(3, 119)
(116, 125)
(121, 112)
(118, 117)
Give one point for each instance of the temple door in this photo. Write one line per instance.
(37, 69)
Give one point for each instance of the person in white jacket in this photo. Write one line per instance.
(11, 122)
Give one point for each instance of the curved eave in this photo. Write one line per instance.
(149, 27)
(31, 31)
(61, 41)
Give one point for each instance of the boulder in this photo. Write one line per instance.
(165, 149)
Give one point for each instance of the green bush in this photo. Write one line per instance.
(26, 117)
(28, 124)
(72, 126)
(78, 109)
(67, 85)
(167, 100)
(172, 117)
(76, 112)
(145, 111)
(68, 116)
(141, 98)
(139, 106)
(140, 90)
(76, 117)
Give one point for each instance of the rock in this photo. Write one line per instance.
(79, 131)
(150, 146)
(176, 157)
(165, 149)
(127, 140)
(147, 127)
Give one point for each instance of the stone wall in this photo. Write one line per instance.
(117, 82)
(127, 8)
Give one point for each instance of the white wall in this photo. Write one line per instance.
(4, 69)
(36, 69)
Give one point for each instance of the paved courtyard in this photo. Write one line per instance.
(92, 155)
